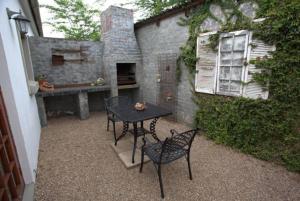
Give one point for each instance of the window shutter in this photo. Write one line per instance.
(205, 81)
(256, 49)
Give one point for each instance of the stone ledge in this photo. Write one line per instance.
(131, 86)
(73, 90)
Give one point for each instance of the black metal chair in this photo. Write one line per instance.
(112, 102)
(171, 149)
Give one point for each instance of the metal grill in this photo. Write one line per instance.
(167, 97)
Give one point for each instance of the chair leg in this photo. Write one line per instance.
(189, 165)
(160, 182)
(142, 160)
(107, 127)
(114, 127)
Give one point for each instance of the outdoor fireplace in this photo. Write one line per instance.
(126, 73)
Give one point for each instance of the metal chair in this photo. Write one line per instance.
(113, 102)
(171, 149)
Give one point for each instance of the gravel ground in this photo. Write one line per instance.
(77, 163)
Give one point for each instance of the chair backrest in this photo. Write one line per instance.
(116, 101)
(179, 141)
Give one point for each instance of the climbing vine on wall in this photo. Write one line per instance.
(267, 129)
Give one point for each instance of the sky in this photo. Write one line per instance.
(45, 15)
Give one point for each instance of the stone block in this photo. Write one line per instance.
(82, 105)
(124, 152)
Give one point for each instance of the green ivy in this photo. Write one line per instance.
(267, 129)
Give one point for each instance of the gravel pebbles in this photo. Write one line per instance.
(76, 163)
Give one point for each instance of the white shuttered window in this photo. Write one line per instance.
(224, 72)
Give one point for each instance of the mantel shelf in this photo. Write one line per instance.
(130, 86)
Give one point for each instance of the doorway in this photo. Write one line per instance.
(167, 97)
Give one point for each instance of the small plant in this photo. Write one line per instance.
(99, 82)
(40, 77)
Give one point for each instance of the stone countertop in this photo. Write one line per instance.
(73, 90)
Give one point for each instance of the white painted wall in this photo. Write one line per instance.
(21, 107)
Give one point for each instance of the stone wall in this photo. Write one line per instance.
(73, 70)
(154, 40)
(210, 24)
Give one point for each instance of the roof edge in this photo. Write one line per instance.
(168, 13)
(35, 9)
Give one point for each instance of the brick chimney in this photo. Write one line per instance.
(120, 44)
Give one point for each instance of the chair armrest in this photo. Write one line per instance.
(173, 131)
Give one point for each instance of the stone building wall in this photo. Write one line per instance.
(154, 40)
(73, 70)
(166, 36)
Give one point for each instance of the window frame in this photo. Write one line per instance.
(245, 58)
(32, 85)
(26, 54)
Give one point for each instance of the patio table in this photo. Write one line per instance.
(128, 114)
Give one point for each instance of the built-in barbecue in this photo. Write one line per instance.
(126, 73)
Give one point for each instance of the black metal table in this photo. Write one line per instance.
(128, 114)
